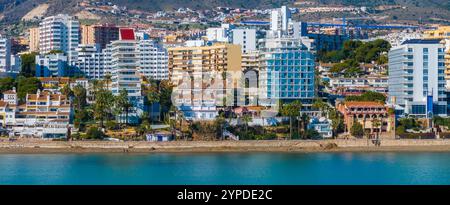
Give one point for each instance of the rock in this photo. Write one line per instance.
(330, 146)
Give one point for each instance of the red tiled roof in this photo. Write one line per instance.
(126, 34)
(9, 92)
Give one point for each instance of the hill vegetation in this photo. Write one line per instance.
(426, 10)
(353, 53)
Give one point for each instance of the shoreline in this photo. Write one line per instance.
(291, 146)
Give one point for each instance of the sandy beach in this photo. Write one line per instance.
(341, 145)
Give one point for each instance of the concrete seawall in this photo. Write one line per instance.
(275, 145)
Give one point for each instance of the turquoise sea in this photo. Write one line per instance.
(226, 168)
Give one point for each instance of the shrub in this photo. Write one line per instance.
(94, 133)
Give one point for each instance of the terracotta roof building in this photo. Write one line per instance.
(366, 113)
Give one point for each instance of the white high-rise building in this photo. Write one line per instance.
(417, 78)
(125, 73)
(220, 34)
(91, 62)
(60, 32)
(5, 54)
(246, 38)
(279, 20)
(153, 60)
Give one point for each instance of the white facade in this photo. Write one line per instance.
(125, 75)
(5, 54)
(280, 19)
(43, 115)
(153, 60)
(91, 62)
(416, 70)
(246, 38)
(60, 32)
(52, 65)
(221, 34)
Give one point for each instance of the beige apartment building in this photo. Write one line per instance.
(198, 73)
(99, 34)
(34, 39)
(443, 33)
(251, 64)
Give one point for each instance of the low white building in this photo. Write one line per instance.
(322, 125)
(42, 115)
(199, 113)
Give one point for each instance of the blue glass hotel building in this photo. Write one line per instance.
(287, 70)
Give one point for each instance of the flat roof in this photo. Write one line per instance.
(422, 41)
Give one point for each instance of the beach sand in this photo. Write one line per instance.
(307, 146)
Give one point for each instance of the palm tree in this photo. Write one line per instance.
(67, 91)
(103, 105)
(246, 119)
(107, 80)
(320, 105)
(291, 110)
(79, 97)
(376, 123)
(335, 120)
(153, 95)
(305, 121)
(123, 104)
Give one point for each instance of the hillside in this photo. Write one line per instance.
(429, 11)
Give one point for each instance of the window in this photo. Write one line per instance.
(418, 109)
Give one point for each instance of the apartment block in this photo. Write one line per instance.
(152, 60)
(99, 34)
(43, 115)
(91, 62)
(246, 38)
(5, 54)
(287, 70)
(52, 65)
(417, 78)
(199, 77)
(125, 73)
(60, 32)
(33, 39)
(442, 33)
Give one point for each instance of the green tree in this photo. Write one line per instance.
(357, 130)
(55, 52)
(6, 84)
(27, 86)
(28, 66)
(368, 96)
(67, 91)
(95, 133)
